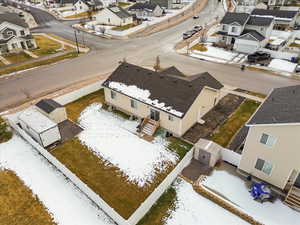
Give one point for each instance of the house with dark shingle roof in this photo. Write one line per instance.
(245, 33)
(283, 19)
(145, 10)
(166, 97)
(52, 109)
(114, 15)
(14, 34)
(81, 6)
(271, 151)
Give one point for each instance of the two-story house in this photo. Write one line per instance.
(245, 33)
(81, 6)
(14, 34)
(114, 16)
(271, 151)
(283, 19)
(145, 10)
(167, 98)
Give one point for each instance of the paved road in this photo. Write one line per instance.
(107, 53)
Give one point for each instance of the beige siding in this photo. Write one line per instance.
(203, 103)
(58, 115)
(284, 155)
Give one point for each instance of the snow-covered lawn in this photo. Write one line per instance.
(207, 58)
(282, 65)
(235, 189)
(218, 53)
(113, 138)
(67, 204)
(193, 209)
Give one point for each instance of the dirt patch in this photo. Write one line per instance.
(214, 118)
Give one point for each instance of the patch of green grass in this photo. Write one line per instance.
(17, 57)
(18, 204)
(45, 45)
(123, 4)
(199, 47)
(65, 40)
(237, 120)
(161, 210)
(38, 63)
(295, 45)
(125, 27)
(1, 64)
(5, 134)
(179, 146)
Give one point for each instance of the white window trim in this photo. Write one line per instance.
(267, 144)
(263, 167)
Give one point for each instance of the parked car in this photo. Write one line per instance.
(193, 32)
(258, 57)
(196, 17)
(297, 27)
(298, 68)
(198, 28)
(187, 35)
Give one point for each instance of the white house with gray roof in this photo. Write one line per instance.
(115, 16)
(271, 151)
(245, 33)
(146, 10)
(14, 34)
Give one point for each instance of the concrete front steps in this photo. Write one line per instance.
(293, 198)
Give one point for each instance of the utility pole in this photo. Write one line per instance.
(76, 41)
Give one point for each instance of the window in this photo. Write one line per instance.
(267, 140)
(233, 29)
(9, 33)
(264, 166)
(22, 32)
(171, 118)
(133, 104)
(224, 27)
(113, 95)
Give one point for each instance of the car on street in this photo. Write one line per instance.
(298, 68)
(258, 56)
(198, 28)
(196, 17)
(187, 35)
(297, 27)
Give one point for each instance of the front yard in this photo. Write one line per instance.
(112, 160)
(125, 27)
(17, 57)
(46, 46)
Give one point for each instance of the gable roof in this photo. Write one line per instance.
(233, 17)
(161, 3)
(260, 21)
(171, 93)
(257, 36)
(281, 107)
(90, 3)
(119, 12)
(12, 18)
(284, 14)
(172, 70)
(65, 1)
(143, 6)
(48, 105)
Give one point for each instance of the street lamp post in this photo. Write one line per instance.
(76, 41)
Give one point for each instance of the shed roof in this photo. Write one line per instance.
(48, 105)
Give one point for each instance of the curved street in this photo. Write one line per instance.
(106, 53)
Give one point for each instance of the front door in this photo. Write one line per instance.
(204, 157)
(154, 114)
(23, 45)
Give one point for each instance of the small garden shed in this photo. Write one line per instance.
(52, 109)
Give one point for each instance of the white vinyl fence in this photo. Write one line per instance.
(231, 156)
(154, 196)
(280, 54)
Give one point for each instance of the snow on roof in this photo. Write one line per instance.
(277, 42)
(143, 96)
(36, 120)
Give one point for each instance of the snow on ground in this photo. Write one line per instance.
(193, 209)
(297, 42)
(234, 189)
(207, 58)
(67, 204)
(106, 136)
(283, 65)
(219, 53)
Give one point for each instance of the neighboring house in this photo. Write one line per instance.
(58, 3)
(14, 34)
(52, 109)
(245, 33)
(115, 16)
(167, 4)
(271, 151)
(167, 99)
(283, 18)
(81, 6)
(145, 10)
(246, 6)
(39, 127)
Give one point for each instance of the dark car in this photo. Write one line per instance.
(196, 17)
(258, 56)
(193, 32)
(297, 27)
(198, 28)
(187, 35)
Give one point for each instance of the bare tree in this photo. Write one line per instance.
(156, 66)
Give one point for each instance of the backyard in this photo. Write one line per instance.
(109, 149)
